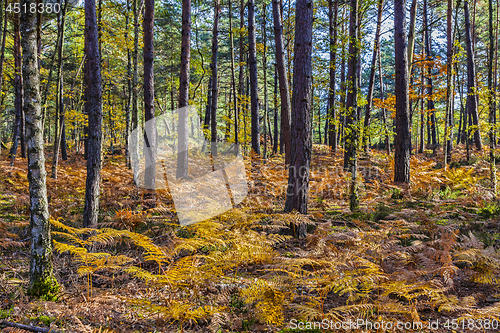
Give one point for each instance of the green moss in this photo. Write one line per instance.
(46, 320)
(46, 288)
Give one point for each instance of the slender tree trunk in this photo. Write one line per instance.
(129, 88)
(333, 13)
(275, 105)
(60, 91)
(373, 68)
(242, 65)
(422, 112)
(233, 79)
(430, 99)
(402, 142)
(343, 84)
(18, 133)
(93, 108)
(448, 134)
(283, 81)
(471, 80)
(298, 179)
(134, 148)
(254, 97)
(215, 50)
(3, 25)
(491, 97)
(42, 281)
(382, 98)
(411, 34)
(182, 128)
(352, 119)
(149, 103)
(264, 69)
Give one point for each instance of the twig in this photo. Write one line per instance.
(27, 327)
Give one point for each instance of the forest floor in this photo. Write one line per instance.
(425, 253)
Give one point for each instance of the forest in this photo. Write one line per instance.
(249, 166)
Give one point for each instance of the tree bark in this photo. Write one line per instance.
(382, 97)
(182, 128)
(431, 109)
(298, 179)
(371, 84)
(491, 97)
(471, 80)
(60, 92)
(233, 79)
(252, 61)
(42, 282)
(411, 34)
(134, 149)
(333, 13)
(402, 141)
(351, 118)
(213, 65)
(3, 23)
(264, 69)
(149, 103)
(450, 90)
(18, 132)
(283, 80)
(93, 108)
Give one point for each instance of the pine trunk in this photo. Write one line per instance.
(402, 141)
(215, 49)
(283, 80)
(182, 128)
(93, 108)
(252, 62)
(298, 179)
(471, 79)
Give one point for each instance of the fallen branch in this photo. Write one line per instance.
(28, 327)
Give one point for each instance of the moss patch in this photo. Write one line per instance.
(46, 288)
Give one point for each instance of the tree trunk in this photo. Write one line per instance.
(233, 79)
(3, 24)
(491, 97)
(264, 69)
(242, 65)
(333, 13)
(252, 61)
(382, 97)
(134, 149)
(275, 105)
(213, 65)
(42, 281)
(149, 103)
(402, 141)
(411, 34)
(369, 99)
(448, 134)
(430, 100)
(182, 128)
(18, 133)
(471, 79)
(298, 179)
(283, 80)
(60, 91)
(93, 108)
(351, 118)
(129, 89)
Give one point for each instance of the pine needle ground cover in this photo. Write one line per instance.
(420, 253)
